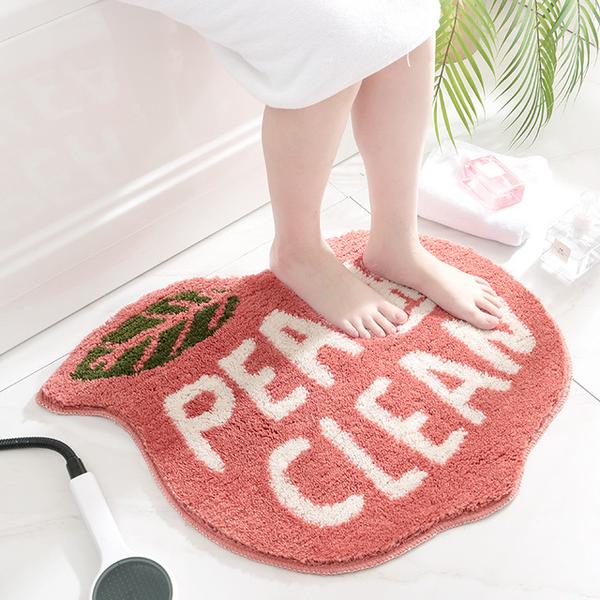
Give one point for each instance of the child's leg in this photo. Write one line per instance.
(389, 119)
(299, 147)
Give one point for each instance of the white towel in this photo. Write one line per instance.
(293, 54)
(444, 199)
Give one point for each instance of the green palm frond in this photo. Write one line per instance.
(466, 28)
(545, 48)
(531, 42)
(578, 24)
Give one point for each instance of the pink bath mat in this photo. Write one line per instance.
(286, 441)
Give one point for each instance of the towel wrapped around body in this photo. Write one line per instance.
(293, 54)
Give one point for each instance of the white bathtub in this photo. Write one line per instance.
(122, 142)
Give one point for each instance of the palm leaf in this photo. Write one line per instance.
(531, 52)
(466, 29)
(544, 49)
(577, 26)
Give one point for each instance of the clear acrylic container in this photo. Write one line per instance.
(492, 181)
(573, 242)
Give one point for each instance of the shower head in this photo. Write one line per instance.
(133, 578)
(122, 574)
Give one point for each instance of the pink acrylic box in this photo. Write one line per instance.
(492, 182)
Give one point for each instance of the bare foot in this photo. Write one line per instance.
(465, 296)
(318, 277)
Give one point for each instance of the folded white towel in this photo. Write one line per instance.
(444, 199)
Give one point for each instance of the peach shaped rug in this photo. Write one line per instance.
(286, 441)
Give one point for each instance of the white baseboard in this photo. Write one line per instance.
(154, 221)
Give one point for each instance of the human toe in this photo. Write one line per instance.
(373, 326)
(358, 324)
(392, 313)
(488, 306)
(485, 285)
(348, 328)
(494, 299)
(482, 319)
(384, 322)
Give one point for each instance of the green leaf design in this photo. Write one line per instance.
(166, 348)
(130, 329)
(165, 305)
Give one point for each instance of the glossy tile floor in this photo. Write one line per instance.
(544, 545)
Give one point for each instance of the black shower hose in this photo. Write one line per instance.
(75, 466)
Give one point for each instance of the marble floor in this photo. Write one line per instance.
(543, 546)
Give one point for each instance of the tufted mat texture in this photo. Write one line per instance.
(284, 440)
